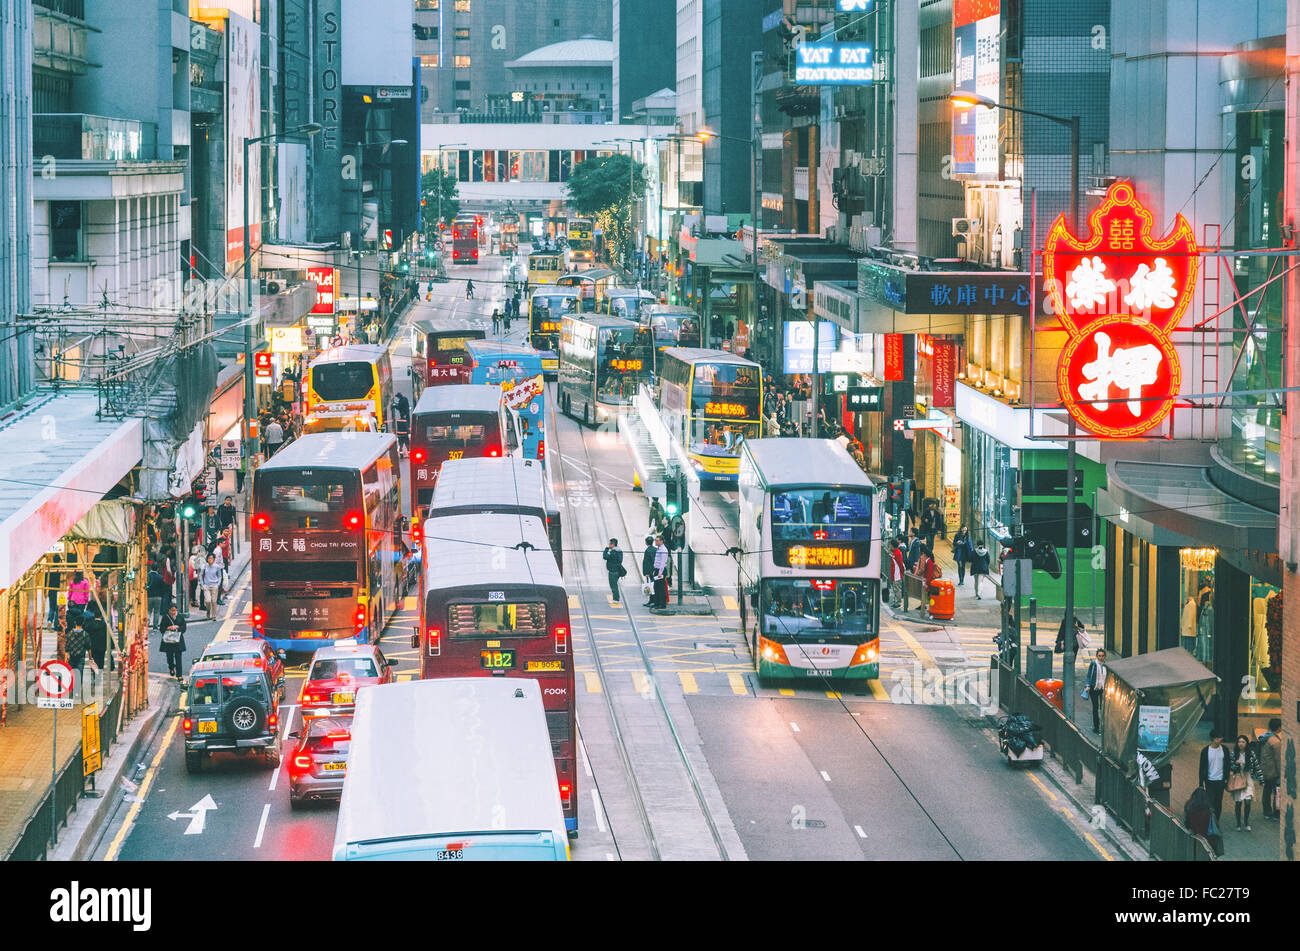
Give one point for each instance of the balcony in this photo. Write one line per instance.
(76, 135)
(59, 35)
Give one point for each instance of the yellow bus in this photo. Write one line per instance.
(546, 267)
(582, 245)
(349, 388)
(711, 402)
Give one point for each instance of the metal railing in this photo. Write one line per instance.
(72, 8)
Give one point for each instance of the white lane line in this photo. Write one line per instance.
(284, 735)
(858, 830)
(261, 826)
(826, 776)
(794, 726)
(600, 820)
(586, 763)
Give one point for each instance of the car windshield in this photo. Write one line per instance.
(205, 690)
(249, 686)
(231, 654)
(331, 668)
(334, 733)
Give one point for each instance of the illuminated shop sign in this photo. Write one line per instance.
(1120, 293)
(833, 64)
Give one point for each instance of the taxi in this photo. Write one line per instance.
(337, 672)
(256, 650)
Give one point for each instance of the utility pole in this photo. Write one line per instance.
(756, 134)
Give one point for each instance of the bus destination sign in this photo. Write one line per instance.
(822, 556)
(724, 409)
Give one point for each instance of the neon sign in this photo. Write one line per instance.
(1120, 294)
(625, 364)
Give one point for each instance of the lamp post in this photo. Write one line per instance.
(965, 100)
(250, 403)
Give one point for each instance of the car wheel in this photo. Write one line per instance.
(193, 762)
(272, 758)
(586, 415)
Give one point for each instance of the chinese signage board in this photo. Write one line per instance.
(1120, 292)
(326, 279)
(893, 357)
(799, 346)
(833, 64)
(976, 69)
(287, 340)
(936, 372)
(945, 292)
(865, 399)
(1153, 728)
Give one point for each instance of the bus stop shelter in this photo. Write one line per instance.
(1153, 702)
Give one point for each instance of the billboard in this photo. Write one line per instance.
(799, 346)
(976, 68)
(243, 110)
(833, 64)
(379, 43)
(326, 279)
(291, 171)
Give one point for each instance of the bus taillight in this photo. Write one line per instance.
(418, 455)
(261, 521)
(541, 449)
(258, 617)
(561, 639)
(434, 637)
(417, 532)
(352, 520)
(494, 452)
(566, 795)
(359, 618)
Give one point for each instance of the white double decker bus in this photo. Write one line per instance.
(809, 567)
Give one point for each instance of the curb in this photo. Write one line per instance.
(151, 727)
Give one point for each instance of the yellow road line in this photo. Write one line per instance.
(1039, 783)
(409, 603)
(574, 603)
(688, 682)
(921, 653)
(1096, 845)
(406, 676)
(877, 690)
(786, 692)
(730, 603)
(593, 682)
(737, 684)
(134, 811)
(832, 695)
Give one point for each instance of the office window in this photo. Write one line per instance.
(462, 6)
(462, 33)
(463, 104)
(66, 238)
(462, 84)
(461, 62)
(429, 59)
(426, 4)
(489, 166)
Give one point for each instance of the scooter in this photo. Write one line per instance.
(1019, 740)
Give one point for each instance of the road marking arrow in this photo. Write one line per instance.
(198, 815)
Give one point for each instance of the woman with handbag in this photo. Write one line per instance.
(1244, 771)
(173, 640)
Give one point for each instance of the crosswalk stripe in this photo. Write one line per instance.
(688, 682)
(730, 603)
(593, 682)
(737, 684)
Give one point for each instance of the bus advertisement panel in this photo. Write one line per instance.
(809, 568)
(325, 513)
(603, 362)
(518, 371)
(711, 401)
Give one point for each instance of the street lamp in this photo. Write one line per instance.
(250, 408)
(967, 100)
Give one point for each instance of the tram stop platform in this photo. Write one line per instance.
(648, 443)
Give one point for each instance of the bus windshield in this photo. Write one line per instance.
(320, 497)
(675, 330)
(625, 363)
(347, 380)
(462, 434)
(809, 514)
(817, 608)
(497, 619)
(712, 437)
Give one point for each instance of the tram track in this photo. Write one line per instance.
(617, 726)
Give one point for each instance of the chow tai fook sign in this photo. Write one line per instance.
(1120, 292)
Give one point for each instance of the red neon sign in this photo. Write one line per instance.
(1120, 294)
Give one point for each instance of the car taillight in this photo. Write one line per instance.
(352, 520)
(455, 254)
(261, 521)
(566, 794)
(301, 763)
(417, 532)
(541, 449)
(434, 637)
(273, 719)
(187, 724)
(561, 639)
(258, 617)
(418, 455)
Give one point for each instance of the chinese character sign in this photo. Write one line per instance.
(893, 356)
(1120, 293)
(325, 286)
(977, 63)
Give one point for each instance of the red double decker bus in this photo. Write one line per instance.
(496, 607)
(438, 354)
(325, 511)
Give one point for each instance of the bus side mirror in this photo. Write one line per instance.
(415, 639)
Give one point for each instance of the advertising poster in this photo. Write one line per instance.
(243, 105)
(326, 279)
(799, 346)
(977, 67)
(1153, 729)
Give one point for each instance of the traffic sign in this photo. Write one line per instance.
(229, 454)
(55, 682)
(210, 482)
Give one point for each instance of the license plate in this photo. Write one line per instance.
(311, 633)
(450, 855)
(546, 665)
(342, 698)
(815, 672)
(497, 659)
(333, 766)
(207, 726)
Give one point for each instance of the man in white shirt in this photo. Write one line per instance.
(1096, 686)
(660, 598)
(1214, 770)
(274, 437)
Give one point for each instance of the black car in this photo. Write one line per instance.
(230, 710)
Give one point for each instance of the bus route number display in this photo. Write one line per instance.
(821, 556)
(493, 659)
(626, 365)
(724, 409)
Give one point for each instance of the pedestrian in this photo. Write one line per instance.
(661, 573)
(96, 635)
(658, 520)
(195, 568)
(173, 642)
(1270, 764)
(1080, 637)
(155, 588)
(1243, 772)
(76, 643)
(914, 552)
(897, 567)
(961, 552)
(496, 319)
(1214, 770)
(210, 582)
(226, 513)
(1198, 816)
(79, 589)
(773, 426)
(648, 569)
(1095, 686)
(469, 290)
(930, 523)
(614, 568)
(979, 565)
(53, 585)
(506, 319)
(274, 435)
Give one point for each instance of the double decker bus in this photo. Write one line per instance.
(593, 287)
(672, 325)
(505, 486)
(711, 401)
(603, 362)
(626, 302)
(493, 604)
(438, 354)
(546, 267)
(325, 513)
(809, 568)
(345, 385)
(546, 310)
(455, 422)
(581, 240)
(517, 370)
(465, 240)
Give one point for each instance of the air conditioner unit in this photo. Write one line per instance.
(965, 227)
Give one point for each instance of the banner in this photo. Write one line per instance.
(243, 121)
(893, 357)
(517, 394)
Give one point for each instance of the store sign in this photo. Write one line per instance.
(262, 367)
(944, 292)
(1153, 728)
(287, 340)
(1120, 293)
(799, 346)
(936, 372)
(976, 68)
(893, 357)
(326, 279)
(833, 64)
(865, 399)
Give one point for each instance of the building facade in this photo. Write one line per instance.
(645, 51)
(16, 363)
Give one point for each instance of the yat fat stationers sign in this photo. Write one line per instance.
(833, 64)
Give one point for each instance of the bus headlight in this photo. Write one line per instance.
(772, 652)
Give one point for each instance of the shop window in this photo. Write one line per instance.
(1260, 693)
(1196, 603)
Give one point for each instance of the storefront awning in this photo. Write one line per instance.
(1178, 505)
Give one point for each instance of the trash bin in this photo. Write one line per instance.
(1052, 689)
(942, 600)
(1039, 663)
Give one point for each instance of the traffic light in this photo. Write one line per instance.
(909, 489)
(894, 500)
(188, 511)
(671, 497)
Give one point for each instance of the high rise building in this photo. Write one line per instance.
(645, 51)
(16, 371)
(732, 32)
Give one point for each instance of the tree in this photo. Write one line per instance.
(430, 184)
(604, 188)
